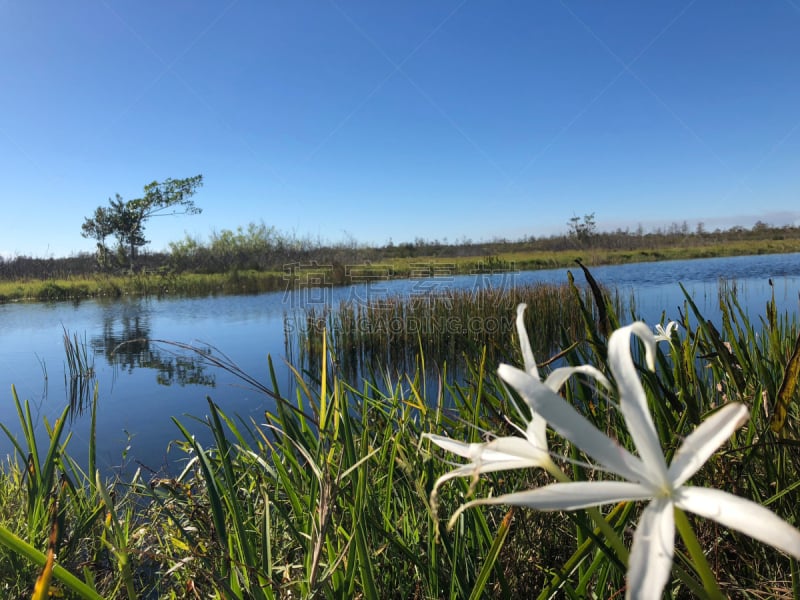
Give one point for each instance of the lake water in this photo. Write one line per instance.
(143, 383)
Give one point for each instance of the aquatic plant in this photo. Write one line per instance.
(80, 365)
(79, 374)
(444, 325)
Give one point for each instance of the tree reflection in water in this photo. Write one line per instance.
(125, 343)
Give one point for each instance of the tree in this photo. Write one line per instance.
(582, 231)
(126, 219)
(700, 230)
(99, 227)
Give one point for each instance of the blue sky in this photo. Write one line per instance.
(447, 119)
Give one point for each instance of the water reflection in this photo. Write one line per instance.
(80, 392)
(79, 371)
(125, 342)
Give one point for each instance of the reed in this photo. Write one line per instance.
(79, 372)
(444, 327)
(141, 284)
(58, 512)
(80, 364)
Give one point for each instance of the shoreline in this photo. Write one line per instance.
(196, 284)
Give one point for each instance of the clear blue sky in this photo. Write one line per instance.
(373, 120)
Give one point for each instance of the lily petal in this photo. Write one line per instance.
(536, 431)
(633, 402)
(741, 514)
(501, 454)
(527, 352)
(704, 441)
(464, 471)
(571, 495)
(559, 376)
(474, 469)
(570, 424)
(650, 560)
(500, 449)
(514, 446)
(665, 334)
(461, 448)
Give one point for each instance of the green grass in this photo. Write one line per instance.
(327, 495)
(152, 284)
(444, 327)
(605, 256)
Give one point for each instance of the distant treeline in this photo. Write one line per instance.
(262, 248)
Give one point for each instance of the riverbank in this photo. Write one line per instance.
(164, 281)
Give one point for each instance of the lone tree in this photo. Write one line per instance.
(582, 231)
(125, 220)
(99, 227)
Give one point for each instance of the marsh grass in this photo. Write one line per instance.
(79, 372)
(444, 327)
(599, 255)
(327, 495)
(141, 284)
(52, 513)
(80, 364)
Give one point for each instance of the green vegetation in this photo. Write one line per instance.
(141, 284)
(328, 495)
(125, 220)
(258, 258)
(443, 327)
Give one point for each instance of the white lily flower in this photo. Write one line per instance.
(664, 334)
(647, 476)
(512, 452)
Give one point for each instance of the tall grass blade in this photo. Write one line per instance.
(117, 540)
(42, 587)
(787, 390)
(492, 556)
(603, 322)
(22, 548)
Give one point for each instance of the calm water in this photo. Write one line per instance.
(143, 383)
